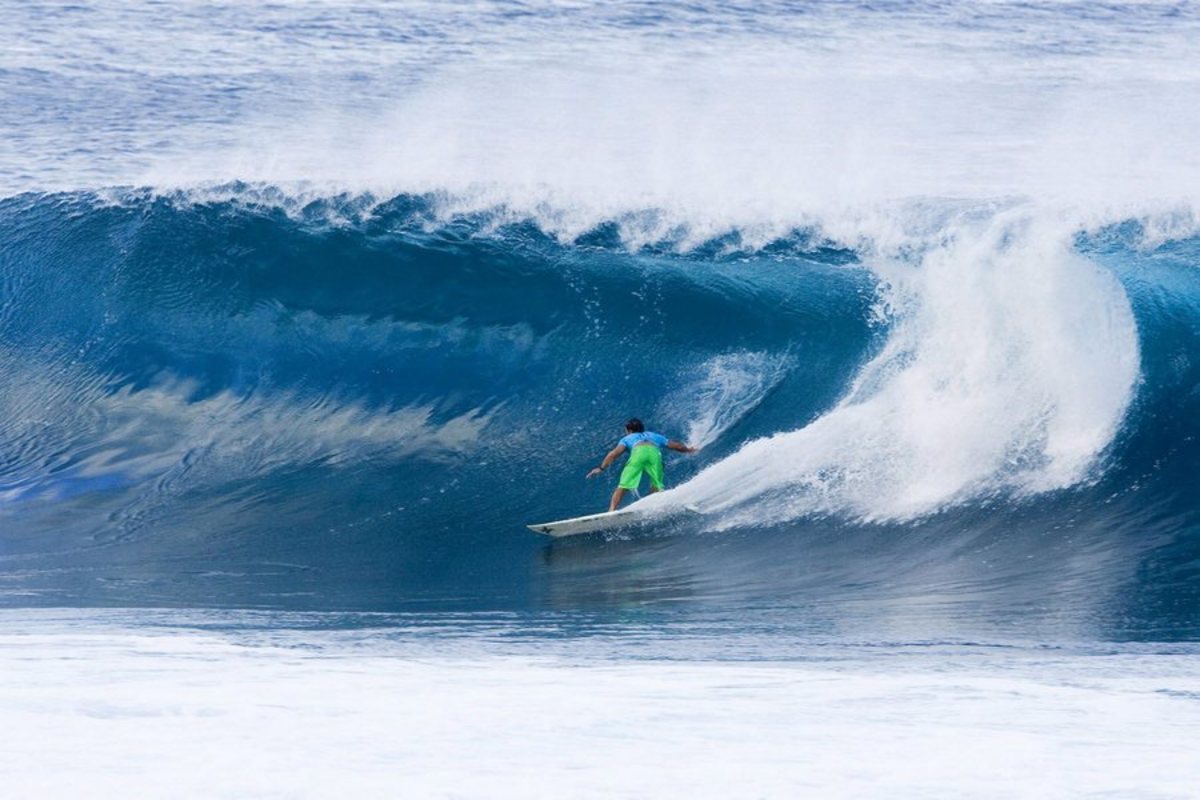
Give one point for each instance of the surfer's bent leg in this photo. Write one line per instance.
(617, 497)
(631, 475)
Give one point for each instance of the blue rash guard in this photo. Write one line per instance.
(645, 437)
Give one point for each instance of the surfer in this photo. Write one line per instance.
(645, 457)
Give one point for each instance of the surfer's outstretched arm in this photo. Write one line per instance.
(681, 447)
(612, 456)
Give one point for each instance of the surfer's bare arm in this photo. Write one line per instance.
(680, 446)
(612, 456)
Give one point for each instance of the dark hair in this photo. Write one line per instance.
(635, 425)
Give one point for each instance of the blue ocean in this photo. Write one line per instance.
(308, 308)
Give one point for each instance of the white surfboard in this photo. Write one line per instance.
(592, 523)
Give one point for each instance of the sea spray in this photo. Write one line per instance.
(1009, 366)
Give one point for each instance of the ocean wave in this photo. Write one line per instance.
(268, 368)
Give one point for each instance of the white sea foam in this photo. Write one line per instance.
(757, 133)
(112, 710)
(722, 116)
(718, 144)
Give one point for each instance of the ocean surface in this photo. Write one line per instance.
(307, 308)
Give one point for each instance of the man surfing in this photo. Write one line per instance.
(645, 457)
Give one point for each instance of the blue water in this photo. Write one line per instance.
(313, 307)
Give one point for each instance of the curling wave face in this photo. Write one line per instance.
(358, 401)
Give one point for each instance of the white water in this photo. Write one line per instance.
(749, 139)
(98, 709)
(1009, 368)
(718, 116)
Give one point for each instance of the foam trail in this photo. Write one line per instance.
(1010, 366)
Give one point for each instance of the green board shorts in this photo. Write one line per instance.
(643, 458)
